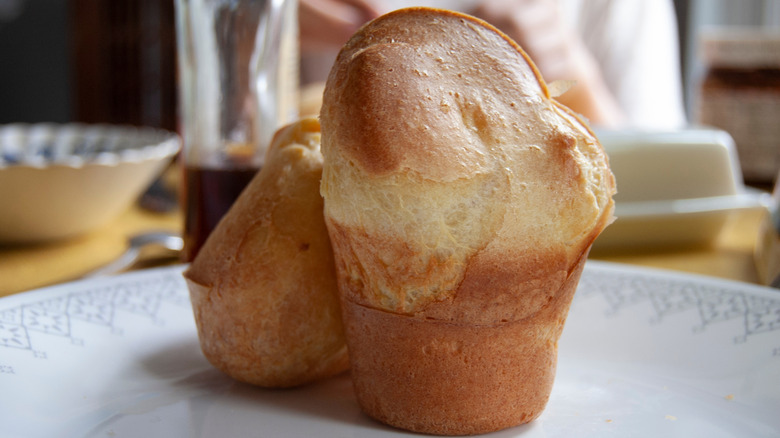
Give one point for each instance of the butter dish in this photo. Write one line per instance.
(675, 188)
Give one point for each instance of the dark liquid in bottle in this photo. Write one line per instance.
(208, 194)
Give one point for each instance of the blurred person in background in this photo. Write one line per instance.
(622, 55)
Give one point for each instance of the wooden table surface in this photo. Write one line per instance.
(24, 268)
(28, 267)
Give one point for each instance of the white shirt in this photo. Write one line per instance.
(637, 47)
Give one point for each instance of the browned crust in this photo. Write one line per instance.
(455, 379)
(381, 55)
(263, 287)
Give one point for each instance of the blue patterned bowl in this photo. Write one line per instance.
(59, 181)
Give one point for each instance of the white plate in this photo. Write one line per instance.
(644, 353)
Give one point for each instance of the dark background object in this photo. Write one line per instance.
(124, 61)
(35, 62)
(92, 61)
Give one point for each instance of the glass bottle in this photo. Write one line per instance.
(238, 83)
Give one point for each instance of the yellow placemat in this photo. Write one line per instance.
(32, 266)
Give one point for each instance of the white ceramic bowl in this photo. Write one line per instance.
(59, 181)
